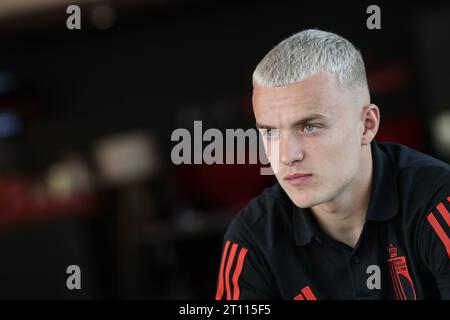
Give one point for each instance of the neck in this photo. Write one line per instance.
(343, 217)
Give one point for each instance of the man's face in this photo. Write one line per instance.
(320, 129)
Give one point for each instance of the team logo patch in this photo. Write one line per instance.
(401, 280)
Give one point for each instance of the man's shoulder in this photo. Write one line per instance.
(263, 206)
(421, 178)
(264, 220)
(406, 158)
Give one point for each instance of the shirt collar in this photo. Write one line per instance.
(383, 204)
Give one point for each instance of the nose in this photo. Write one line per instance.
(291, 151)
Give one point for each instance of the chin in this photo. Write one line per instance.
(307, 198)
(302, 199)
(303, 203)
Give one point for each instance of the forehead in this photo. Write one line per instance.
(316, 93)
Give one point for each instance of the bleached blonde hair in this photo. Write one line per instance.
(307, 53)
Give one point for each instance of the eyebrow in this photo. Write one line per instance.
(314, 116)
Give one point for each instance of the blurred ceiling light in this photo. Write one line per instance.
(440, 129)
(59, 182)
(103, 16)
(68, 178)
(126, 158)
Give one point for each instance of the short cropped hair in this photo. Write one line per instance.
(307, 53)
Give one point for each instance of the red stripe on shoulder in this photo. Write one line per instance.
(228, 269)
(220, 288)
(440, 232)
(237, 273)
(444, 212)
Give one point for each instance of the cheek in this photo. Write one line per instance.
(336, 155)
(343, 139)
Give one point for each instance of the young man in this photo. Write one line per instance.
(349, 218)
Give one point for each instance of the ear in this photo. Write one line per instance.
(371, 122)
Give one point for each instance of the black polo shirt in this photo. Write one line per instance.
(276, 250)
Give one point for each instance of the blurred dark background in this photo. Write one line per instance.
(86, 118)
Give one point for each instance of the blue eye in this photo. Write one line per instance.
(309, 128)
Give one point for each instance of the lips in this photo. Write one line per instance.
(298, 178)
